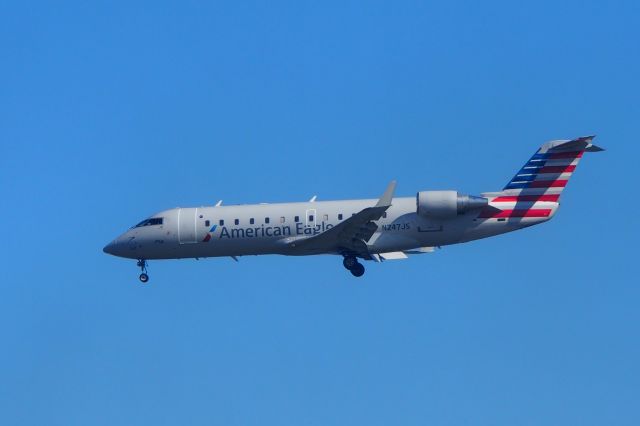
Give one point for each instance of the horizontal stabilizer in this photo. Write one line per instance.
(575, 145)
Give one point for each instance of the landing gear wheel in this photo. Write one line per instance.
(142, 264)
(349, 262)
(357, 270)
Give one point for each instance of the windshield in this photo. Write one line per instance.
(150, 221)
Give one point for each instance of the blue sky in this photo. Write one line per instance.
(110, 111)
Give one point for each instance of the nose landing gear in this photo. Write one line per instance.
(351, 263)
(142, 264)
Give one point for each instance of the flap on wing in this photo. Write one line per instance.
(393, 255)
(420, 250)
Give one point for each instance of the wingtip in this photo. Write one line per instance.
(386, 198)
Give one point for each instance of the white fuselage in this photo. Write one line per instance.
(255, 229)
(387, 228)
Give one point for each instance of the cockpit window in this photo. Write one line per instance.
(150, 221)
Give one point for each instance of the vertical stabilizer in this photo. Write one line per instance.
(534, 192)
(547, 173)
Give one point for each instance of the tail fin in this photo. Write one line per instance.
(533, 193)
(547, 173)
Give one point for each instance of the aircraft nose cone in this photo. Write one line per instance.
(114, 248)
(110, 248)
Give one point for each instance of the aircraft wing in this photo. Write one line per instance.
(350, 236)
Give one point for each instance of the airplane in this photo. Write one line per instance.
(388, 228)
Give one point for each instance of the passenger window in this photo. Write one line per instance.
(296, 219)
(340, 216)
(237, 221)
(266, 220)
(221, 222)
(325, 217)
(252, 221)
(310, 218)
(281, 219)
(207, 223)
(384, 214)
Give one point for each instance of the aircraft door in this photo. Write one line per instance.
(187, 225)
(202, 230)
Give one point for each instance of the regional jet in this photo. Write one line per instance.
(388, 228)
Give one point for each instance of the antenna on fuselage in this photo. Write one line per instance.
(313, 199)
(218, 204)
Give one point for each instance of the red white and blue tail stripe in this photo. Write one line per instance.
(550, 168)
(535, 190)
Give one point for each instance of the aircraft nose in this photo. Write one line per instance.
(110, 248)
(123, 246)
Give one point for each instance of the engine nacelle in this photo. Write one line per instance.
(447, 204)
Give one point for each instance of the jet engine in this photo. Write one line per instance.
(447, 204)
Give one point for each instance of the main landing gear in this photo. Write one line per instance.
(351, 263)
(142, 264)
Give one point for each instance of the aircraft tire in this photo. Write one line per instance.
(349, 262)
(144, 278)
(357, 270)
